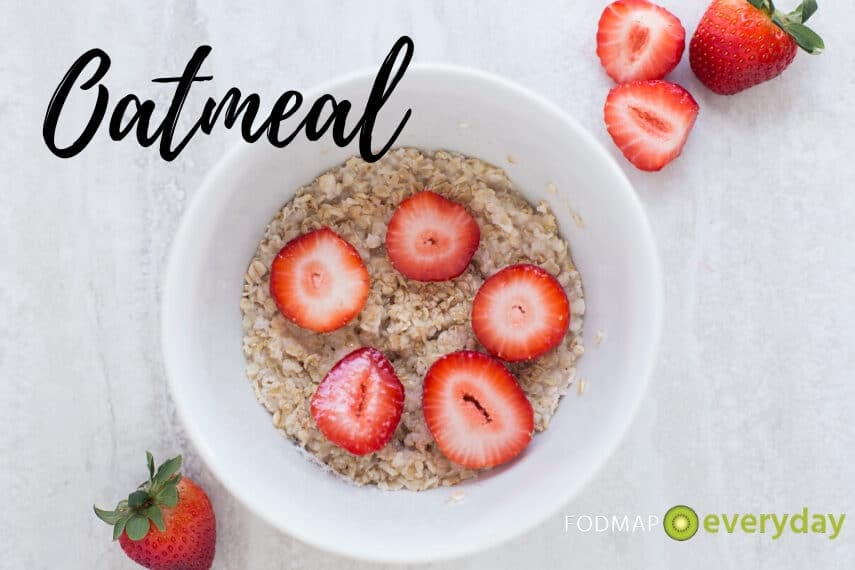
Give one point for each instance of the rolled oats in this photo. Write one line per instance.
(412, 323)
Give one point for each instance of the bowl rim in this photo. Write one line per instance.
(647, 248)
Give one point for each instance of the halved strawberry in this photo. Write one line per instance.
(650, 121)
(476, 410)
(639, 40)
(319, 281)
(431, 238)
(520, 313)
(358, 404)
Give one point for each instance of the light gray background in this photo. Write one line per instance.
(750, 408)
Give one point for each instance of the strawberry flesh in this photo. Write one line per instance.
(358, 404)
(431, 238)
(520, 313)
(319, 281)
(650, 121)
(476, 410)
(639, 40)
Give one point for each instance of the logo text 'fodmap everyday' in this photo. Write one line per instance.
(681, 523)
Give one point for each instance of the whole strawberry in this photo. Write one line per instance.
(740, 43)
(167, 523)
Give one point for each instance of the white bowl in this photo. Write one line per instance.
(454, 109)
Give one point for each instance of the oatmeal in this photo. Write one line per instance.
(413, 323)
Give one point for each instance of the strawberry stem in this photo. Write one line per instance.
(142, 508)
(794, 23)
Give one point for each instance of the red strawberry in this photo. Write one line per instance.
(520, 313)
(431, 238)
(167, 523)
(358, 404)
(639, 40)
(650, 121)
(319, 281)
(740, 43)
(475, 410)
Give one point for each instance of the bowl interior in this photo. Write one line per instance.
(458, 110)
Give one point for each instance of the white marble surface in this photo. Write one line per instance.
(750, 408)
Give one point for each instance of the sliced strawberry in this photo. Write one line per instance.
(358, 404)
(476, 410)
(520, 313)
(431, 238)
(639, 40)
(650, 121)
(319, 281)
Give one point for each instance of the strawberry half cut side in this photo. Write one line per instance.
(476, 410)
(520, 313)
(431, 238)
(650, 121)
(358, 404)
(638, 40)
(319, 281)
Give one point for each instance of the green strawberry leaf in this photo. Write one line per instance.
(109, 517)
(120, 526)
(137, 527)
(137, 499)
(807, 39)
(168, 496)
(167, 470)
(804, 11)
(150, 461)
(759, 4)
(135, 515)
(156, 516)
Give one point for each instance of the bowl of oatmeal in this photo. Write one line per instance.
(245, 360)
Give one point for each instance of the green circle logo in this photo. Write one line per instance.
(680, 522)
